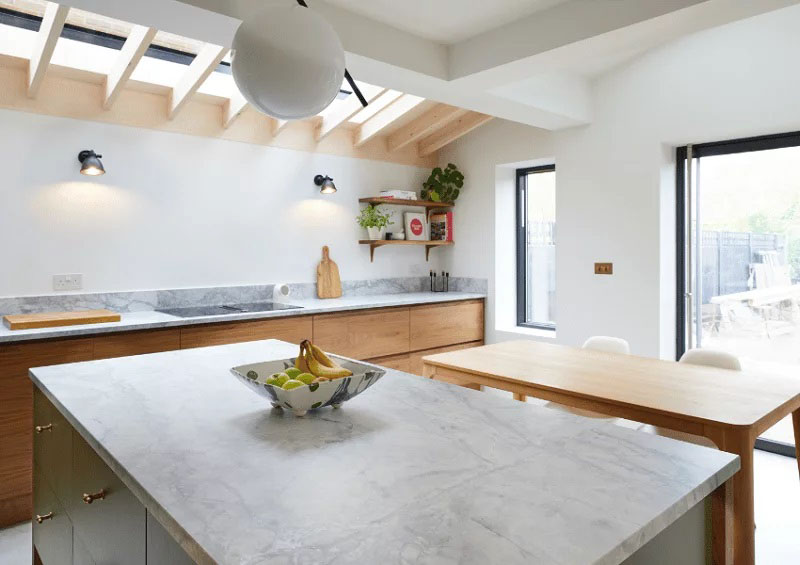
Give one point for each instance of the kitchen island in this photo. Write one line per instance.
(197, 467)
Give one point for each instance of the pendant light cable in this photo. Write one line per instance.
(356, 90)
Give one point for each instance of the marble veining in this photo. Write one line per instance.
(141, 301)
(150, 319)
(411, 471)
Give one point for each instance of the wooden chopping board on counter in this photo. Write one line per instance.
(58, 319)
(329, 285)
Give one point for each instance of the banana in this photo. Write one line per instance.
(320, 370)
(300, 362)
(321, 357)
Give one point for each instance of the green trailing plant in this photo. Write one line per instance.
(443, 185)
(374, 217)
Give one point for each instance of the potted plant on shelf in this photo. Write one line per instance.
(443, 185)
(375, 221)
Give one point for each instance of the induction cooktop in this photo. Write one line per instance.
(225, 309)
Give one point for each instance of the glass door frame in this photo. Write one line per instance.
(684, 296)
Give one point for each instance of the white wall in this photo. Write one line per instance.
(616, 177)
(179, 211)
(484, 215)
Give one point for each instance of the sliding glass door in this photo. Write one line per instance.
(739, 256)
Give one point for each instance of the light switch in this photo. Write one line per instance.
(68, 282)
(604, 268)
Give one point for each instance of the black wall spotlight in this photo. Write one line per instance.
(325, 183)
(90, 163)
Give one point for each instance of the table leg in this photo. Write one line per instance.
(744, 540)
(796, 422)
(722, 525)
(520, 397)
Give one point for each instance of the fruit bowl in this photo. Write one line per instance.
(316, 395)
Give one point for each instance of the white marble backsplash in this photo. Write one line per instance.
(147, 300)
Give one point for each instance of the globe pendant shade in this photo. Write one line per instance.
(287, 61)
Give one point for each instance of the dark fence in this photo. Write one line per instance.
(727, 257)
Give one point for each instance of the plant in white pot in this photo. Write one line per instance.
(375, 221)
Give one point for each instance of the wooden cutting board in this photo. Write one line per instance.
(329, 285)
(58, 319)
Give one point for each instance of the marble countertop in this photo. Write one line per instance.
(413, 470)
(151, 319)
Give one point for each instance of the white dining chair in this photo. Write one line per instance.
(605, 344)
(707, 358)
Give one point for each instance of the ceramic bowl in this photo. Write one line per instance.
(316, 395)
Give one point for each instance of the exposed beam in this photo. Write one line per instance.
(134, 48)
(386, 117)
(453, 131)
(49, 31)
(279, 125)
(233, 108)
(426, 124)
(349, 108)
(202, 66)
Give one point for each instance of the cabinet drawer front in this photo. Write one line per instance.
(398, 362)
(136, 343)
(293, 329)
(52, 445)
(446, 324)
(53, 537)
(113, 528)
(415, 359)
(364, 335)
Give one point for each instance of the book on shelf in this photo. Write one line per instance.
(398, 194)
(442, 226)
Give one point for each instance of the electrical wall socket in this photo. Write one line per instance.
(604, 268)
(68, 282)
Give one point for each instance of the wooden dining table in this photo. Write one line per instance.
(731, 408)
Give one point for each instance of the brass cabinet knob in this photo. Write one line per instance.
(45, 428)
(42, 518)
(89, 498)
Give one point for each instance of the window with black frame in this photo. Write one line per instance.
(536, 247)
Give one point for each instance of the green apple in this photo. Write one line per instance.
(278, 379)
(307, 378)
(293, 372)
(293, 383)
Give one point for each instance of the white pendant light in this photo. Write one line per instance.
(288, 61)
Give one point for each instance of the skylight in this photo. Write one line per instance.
(91, 43)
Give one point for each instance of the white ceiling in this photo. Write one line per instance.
(445, 21)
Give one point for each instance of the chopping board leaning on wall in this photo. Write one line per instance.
(329, 285)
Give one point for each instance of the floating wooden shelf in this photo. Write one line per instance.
(375, 243)
(398, 202)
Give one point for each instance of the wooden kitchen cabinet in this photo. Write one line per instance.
(293, 329)
(398, 362)
(136, 343)
(439, 325)
(16, 417)
(363, 335)
(415, 358)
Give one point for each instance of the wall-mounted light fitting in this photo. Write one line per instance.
(90, 163)
(325, 183)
